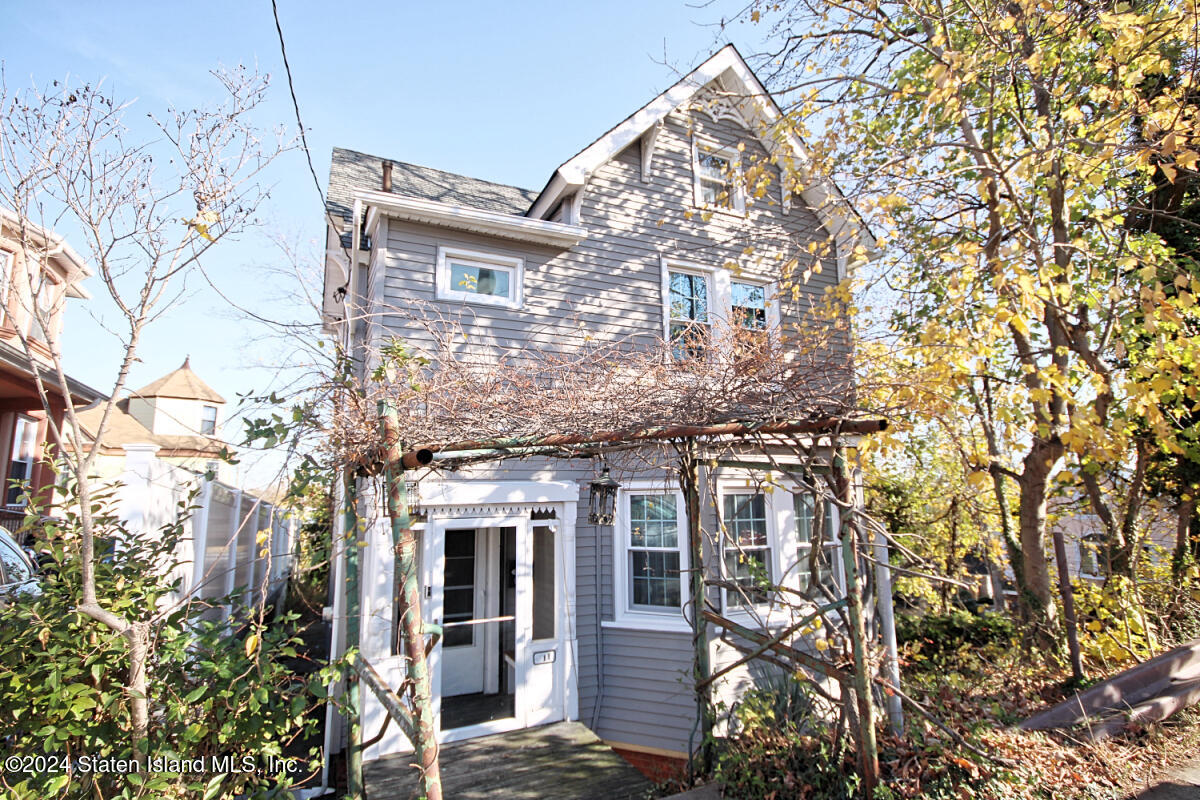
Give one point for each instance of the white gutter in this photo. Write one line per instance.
(507, 226)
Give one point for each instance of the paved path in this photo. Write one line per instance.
(563, 761)
(1182, 783)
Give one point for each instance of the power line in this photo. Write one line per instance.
(296, 104)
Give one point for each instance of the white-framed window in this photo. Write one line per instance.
(699, 300)
(746, 546)
(1089, 555)
(770, 532)
(650, 568)
(208, 421)
(748, 305)
(689, 322)
(818, 539)
(6, 266)
(45, 291)
(475, 277)
(717, 173)
(22, 460)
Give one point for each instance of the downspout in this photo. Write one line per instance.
(868, 753)
(887, 628)
(600, 626)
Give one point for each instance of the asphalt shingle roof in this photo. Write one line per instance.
(352, 170)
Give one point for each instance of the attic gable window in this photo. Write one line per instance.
(717, 174)
(482, 278)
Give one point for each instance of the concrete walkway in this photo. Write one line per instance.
(563, 761)
(1182, 783)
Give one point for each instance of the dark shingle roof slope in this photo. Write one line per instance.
(352, 170)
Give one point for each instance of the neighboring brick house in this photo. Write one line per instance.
(549, 617)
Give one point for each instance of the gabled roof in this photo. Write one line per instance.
(729, 68)
(351, 171)
(183, 384)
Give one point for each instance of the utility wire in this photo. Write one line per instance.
(296, 104)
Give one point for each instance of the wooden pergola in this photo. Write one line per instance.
(415, 717)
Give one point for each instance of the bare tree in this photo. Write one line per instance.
(146, 211)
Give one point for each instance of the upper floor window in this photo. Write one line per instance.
(749, 305)
(208, 421)
(475, 277)
(717, 174)
(6, 263)
(688, 321)
(41, 314)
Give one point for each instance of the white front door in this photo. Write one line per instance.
(465, 591)
(496, 586)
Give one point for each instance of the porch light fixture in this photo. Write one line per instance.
(602, 499)
(413, 490)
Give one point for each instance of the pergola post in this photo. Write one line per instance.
(412, 631)
(689, 482)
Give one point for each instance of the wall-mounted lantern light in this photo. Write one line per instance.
(603, 499)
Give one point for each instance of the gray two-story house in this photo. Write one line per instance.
(650, 233)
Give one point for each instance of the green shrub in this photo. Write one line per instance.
(214, 691)
(940, 637)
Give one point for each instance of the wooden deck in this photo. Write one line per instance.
(553, 762)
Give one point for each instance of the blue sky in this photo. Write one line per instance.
(501, 91)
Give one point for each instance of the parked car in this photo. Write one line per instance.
(17, 573)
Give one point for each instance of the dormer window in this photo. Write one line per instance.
(208, 421)
(717, 175)
(483, 278)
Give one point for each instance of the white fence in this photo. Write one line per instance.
(233, 540)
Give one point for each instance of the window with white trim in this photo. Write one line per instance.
(6, 264)
(817, 540)
(475, 277)
(208, 420)
(748, 305)
(689, 326)
(42, 308)
(718, 177)
(22, 460)
(650, 537)
(746, 548)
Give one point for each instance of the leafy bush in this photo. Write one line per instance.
(937, 638)
(215, 691)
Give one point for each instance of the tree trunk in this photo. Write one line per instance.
(1068, 601)
(1037, 601)
(1184, 540)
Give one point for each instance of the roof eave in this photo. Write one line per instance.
(491, 223)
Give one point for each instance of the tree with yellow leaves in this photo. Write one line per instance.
(1001, 149)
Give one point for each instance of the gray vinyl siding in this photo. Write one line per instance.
(610, 284)
(634, 686)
